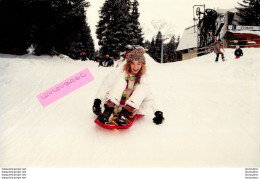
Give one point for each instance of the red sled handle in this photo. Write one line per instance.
(113, 125)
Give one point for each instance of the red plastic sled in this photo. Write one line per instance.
(113, 125)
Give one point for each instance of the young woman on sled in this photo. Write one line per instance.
(127, 93)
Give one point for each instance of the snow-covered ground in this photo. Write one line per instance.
(212, 113)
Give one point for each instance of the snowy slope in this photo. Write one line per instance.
(211, 110)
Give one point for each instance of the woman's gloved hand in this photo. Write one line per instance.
(158, 119)
(96, 106)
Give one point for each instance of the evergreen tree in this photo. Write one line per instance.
(43, 29)
(15, 26)
(137, 30)
(50, 26)
(158, 47)
(113, 29)
(118, 26)
(121, 26)
(249, 12)
(155, 48)
(88, 42)
(170, 50)
(151, 49)
(102, 30)
(72, 33)
(147, 44)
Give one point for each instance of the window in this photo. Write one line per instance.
(185, 51)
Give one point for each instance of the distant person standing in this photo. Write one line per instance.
(238, 52)
(83, 56)
(218, 47)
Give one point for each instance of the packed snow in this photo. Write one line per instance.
(211, 115)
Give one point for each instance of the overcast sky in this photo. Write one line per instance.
(177, 14)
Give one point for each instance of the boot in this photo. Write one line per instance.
(106, 114)
(124, 115)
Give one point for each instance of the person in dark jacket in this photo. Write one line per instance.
(110, 62)
(97, 58)
(238, 52)
(101, 62)
(106, 60)
(83, 56)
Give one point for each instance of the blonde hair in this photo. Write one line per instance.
(127, 67)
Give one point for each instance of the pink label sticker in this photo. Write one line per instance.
(65, 87)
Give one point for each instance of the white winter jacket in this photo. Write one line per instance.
(141, 99)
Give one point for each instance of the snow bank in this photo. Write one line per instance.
(211, 116)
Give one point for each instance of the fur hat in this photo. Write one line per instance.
(137, 54)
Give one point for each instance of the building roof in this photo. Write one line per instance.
(224, 11)
(188, 39)
(245, 32)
